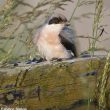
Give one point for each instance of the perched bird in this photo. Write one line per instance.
(56, 40)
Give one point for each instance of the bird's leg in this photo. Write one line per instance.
(41, 60)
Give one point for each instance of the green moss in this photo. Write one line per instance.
(61, 84)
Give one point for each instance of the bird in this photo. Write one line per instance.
(56, 40)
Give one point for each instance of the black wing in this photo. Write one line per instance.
(68, 39)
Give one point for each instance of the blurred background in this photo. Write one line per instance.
(20, 20)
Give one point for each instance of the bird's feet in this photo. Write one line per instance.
(35, 61)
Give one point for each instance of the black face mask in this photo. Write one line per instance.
(57, 20)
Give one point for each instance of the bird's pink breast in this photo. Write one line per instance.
(49, 46)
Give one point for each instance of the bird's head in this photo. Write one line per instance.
(57, 21)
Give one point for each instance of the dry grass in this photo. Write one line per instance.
(96, 25)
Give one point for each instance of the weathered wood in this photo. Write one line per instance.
(67, 85)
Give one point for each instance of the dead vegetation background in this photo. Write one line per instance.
(20, 19)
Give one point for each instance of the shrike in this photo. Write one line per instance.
(56, 40)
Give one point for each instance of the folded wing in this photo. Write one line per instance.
(68, 40)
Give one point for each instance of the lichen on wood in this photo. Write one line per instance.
(59, 85)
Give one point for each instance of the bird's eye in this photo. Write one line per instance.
(60, 20)
(54, 20)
